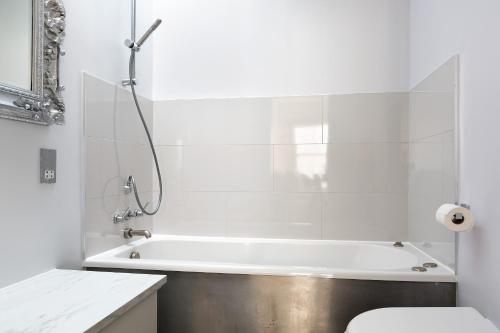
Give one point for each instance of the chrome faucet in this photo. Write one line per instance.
(127, 215)
(129, 233)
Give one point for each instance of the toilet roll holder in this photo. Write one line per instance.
(459, 218)
(464, 205)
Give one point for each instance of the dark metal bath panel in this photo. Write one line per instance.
(228, 303)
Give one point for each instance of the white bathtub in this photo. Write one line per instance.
(331, 259)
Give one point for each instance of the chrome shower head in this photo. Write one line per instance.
(148, 33)
(137, 45)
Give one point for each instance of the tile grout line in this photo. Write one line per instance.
(274, 168)
(419, 140)
(279, 144)
(322, 196)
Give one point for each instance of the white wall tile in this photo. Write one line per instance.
(93, 182)
(443, 79)
(367, 168)
(363, 168)
(431, 113)
(99, 103)
(421, 219)
(275, 215)
(136, 160)
(101, 233)
(275, 230)
(192, 213)
(390, 167)
(213, 121)
(98, 243)
(426, 167)
(431, 183)
(297, 120)
(364, 216)
(127, 123)
(229, 121)
(239, 121)
(170, 159)
(171, 123)
(367, 118)
(450, 180)
(145, 221)
(99, 214)
(112, 168)
(109, 163)
(300, 168)
(351, 168)
(227, 168)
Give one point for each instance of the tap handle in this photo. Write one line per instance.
(125, 216)
(117, 218)
(128, 214)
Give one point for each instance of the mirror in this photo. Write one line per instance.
(32, 32)
(16, 24)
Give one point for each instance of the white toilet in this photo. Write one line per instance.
(418, 320)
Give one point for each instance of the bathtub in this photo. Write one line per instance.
(259, 285)
(329, 259)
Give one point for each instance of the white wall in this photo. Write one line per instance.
(41, 224)
(95, 41)
(254, 48)
(440, 29)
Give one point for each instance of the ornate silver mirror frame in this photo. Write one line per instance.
(43, 104)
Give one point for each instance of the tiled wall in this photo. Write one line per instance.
(115, 147)
(432, 161)
(354, 167)
(331, 167)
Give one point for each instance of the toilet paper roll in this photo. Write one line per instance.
(455, 218)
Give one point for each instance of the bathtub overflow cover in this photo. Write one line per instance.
(419, 269)
(430, 265)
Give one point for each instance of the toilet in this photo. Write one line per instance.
(418, 320)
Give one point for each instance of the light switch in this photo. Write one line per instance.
(48, 162)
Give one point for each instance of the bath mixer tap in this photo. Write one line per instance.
(122, 217)
(127, 215)
(129, 233)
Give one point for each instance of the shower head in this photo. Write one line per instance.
(148, 33)
(136, 46)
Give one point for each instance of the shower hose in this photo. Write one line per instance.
(131, 181)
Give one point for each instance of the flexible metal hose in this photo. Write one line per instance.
(131, 179)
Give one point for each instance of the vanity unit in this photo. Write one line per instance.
(81, 301)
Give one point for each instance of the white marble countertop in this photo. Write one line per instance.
(72, 301)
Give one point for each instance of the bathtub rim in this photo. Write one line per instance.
(109, 259)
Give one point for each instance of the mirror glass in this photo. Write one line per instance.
(16, 35)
